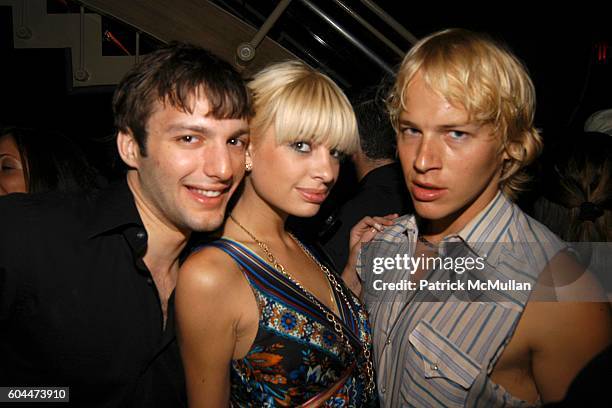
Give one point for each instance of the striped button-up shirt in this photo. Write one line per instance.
(439, 352)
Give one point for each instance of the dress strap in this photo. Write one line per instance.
(268, 281)
(248, 264)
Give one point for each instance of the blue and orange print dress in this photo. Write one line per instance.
(297, 354)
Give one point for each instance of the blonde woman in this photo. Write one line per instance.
(262, 322)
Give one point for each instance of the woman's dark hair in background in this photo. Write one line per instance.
(576, 201)
(51, 161)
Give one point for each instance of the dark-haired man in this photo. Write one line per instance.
(86, 283)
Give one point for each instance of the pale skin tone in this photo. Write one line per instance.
(458, 163)
(287, 179)
(193, 164)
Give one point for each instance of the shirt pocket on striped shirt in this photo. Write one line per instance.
(441, 358)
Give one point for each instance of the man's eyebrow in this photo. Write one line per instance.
(191, 128)
(407, 123)
(203, 130)
(241, 132)
(448, 126)
(455, 125)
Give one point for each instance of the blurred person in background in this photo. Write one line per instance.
(600, 121)
(381, 189)
(576, 201)
(37, 161)
(576, 204)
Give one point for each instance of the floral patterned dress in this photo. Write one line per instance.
(297, 354)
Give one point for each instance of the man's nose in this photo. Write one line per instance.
(217, 162)
(428, 154)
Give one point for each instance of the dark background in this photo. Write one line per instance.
(559, 46)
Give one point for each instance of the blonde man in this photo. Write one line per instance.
(463, 109)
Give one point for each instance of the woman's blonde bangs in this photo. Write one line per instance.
(303, 105)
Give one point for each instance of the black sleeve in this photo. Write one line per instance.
(14, 226)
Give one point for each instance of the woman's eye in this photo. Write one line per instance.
(303, 147)
(337, 154)
(9, 165)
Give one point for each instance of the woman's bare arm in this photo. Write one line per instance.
(362, 232)
(207, 316)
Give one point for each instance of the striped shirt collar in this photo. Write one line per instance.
(480, 234)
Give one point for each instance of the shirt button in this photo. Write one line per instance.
(434, 367)
(141, 235)
(383, 390)
(388, 342)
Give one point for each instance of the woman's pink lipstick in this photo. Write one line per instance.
(315, 196)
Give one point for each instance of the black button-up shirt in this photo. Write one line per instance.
(381, 192)
(78, 306)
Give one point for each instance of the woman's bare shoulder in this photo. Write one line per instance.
(209, 270)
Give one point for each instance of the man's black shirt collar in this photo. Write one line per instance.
(113, 209)
(82, 287)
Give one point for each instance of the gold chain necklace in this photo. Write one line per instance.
(368, 374)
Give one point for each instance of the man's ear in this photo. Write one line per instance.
(513, 151)
(128, 148)
(505, 156)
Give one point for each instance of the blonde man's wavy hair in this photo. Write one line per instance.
(302, 104)
(472, 71)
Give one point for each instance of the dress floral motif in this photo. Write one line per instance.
(297, 354)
